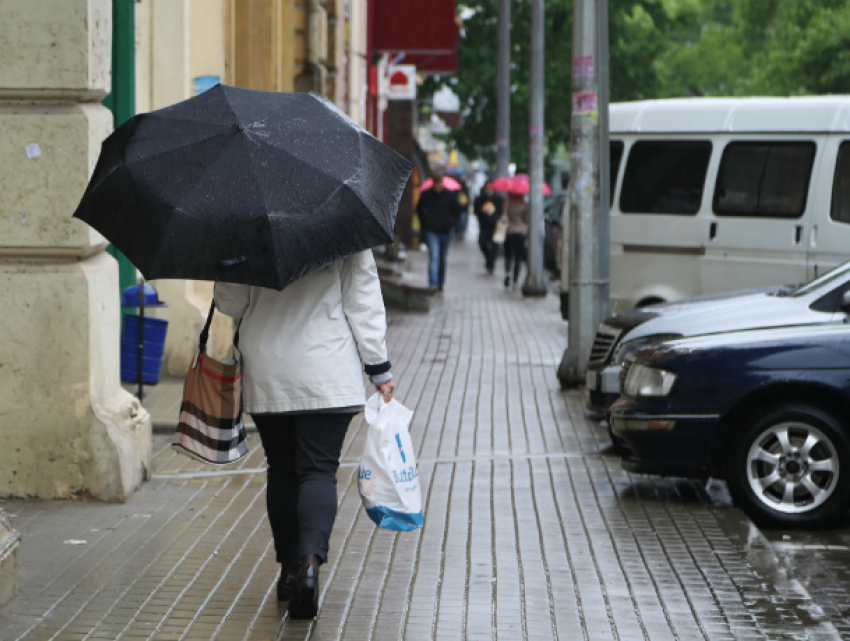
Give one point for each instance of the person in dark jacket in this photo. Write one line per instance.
(439, 211)
(488, 208)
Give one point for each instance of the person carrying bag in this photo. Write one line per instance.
(500, 232)
(305, 350)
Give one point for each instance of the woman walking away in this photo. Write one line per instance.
(488, 208)
(517, 212)
(302, 350)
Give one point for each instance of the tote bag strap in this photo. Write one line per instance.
(205, 333)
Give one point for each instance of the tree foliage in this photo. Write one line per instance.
(658, 48)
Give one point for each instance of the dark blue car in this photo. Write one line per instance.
(767, 410)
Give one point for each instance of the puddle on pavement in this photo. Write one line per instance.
(790, 568)
(785, 565)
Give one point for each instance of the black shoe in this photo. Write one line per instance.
(304, 603)
(286, 582)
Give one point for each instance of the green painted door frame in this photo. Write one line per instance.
(122, 100)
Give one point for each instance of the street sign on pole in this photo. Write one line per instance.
(401, 82)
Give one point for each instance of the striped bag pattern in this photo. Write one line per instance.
(211, 428)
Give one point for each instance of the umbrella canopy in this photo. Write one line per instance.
(517, 184)
(244, 186)
(449, 183)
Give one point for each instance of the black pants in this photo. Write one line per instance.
(488, 247)
(303, 455)
(514, 253)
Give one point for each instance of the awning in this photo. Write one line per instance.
(415, 27)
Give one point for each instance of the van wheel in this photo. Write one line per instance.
(650, 301)
(791, 468)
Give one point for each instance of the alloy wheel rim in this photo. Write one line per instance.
(792, 468)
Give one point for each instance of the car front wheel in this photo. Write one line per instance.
(791, 468)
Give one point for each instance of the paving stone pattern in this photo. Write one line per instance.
(532, 529)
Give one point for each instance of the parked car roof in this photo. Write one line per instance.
(770, 308)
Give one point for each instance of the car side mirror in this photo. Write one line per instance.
(845, 302)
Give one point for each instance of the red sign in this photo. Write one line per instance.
(414, 26)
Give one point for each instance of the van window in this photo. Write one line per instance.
(616, 155)
(841, 186)
(665, 177)
(764, 179)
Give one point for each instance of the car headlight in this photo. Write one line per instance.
(629, 346)
(648, 381)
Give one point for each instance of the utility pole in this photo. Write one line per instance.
(604, 230)
(588, 280)
(535, 281)
(503, 96)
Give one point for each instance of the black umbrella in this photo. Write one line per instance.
(245, 187)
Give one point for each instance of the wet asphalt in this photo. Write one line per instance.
(532, 529)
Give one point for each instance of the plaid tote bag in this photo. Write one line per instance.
(211, 428)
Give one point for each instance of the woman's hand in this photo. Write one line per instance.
(387, 389)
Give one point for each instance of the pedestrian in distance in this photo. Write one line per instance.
(302, 352)
(517, 211)
(439, 211)
(488, 208)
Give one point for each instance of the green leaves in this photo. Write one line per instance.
(658, 48)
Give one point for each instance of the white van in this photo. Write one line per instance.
(714, 194)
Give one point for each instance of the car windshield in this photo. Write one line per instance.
(829, 279)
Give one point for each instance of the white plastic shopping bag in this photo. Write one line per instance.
(388, 478)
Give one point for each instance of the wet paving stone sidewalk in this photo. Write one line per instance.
(532, 529)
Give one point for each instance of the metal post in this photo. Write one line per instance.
(535, 281)
(503, 100)
(604, 275)
(585, 184)
(141, 348)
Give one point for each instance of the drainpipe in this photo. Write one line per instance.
(122, 100)
(317, 44)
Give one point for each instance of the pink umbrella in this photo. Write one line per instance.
(516, 185)
(449, 183)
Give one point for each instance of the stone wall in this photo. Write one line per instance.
(67, 427)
